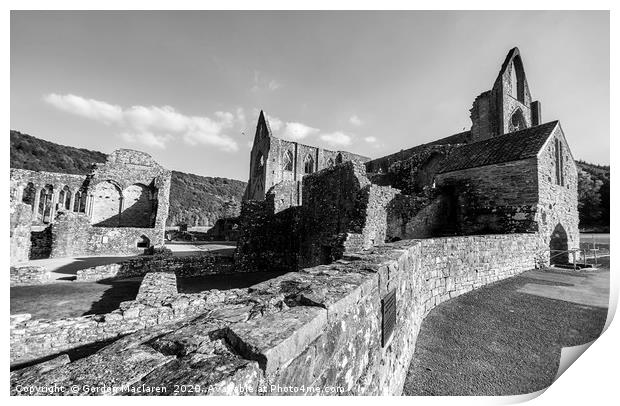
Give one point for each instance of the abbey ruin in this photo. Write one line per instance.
(368, 247)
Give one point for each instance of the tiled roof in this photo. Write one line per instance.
(504, 148)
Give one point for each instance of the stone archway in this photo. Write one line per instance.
(558, 245)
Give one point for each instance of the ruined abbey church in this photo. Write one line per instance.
(510, 173)
(365, 249)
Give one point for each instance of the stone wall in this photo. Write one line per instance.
(20, 224)
(121, 204)
(29, 275)
(68, 185)
(556, 211)
(318, 327)
(73, 235)
(499, 198)
(274, 160)
(268, 241)
(40, 241)
(157, 303)
(184, 267)
(342, 212)
(429, 214)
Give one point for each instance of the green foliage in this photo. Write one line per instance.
(28, 152)
(593, 190)
(195, 200)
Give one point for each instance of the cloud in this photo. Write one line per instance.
(275, 123)
(153, 126)
(337, 138)
(298, 131)
(370, 140)
(260, 83)
(241, 120)
(89, 108)
(355, 120)
(274, 85)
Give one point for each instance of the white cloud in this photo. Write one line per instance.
(89, 108)
(260, 83)
(153, 126)
(370, 140)
(274, 85)
(337, 138)
(275, 123)
(355, 120)
(298, 131)
(240, 117)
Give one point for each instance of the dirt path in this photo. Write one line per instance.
(506, 338)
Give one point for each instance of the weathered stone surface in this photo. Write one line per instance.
(119, 208)
(21, 220)
(321, 326)
(277, 338)
(29, 275)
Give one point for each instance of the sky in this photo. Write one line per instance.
(187, 87)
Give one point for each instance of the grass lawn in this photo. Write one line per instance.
(499, 341)
(72, 299)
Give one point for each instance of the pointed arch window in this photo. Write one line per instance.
(559, 163)
(288, 161)
(308, 164)
(330, 163)
(517, 77)
(517, 121)
(259, 164)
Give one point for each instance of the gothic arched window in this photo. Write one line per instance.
(517, 78)
(259, 164)
(288, 161)
(308, 164)
(330, 163)
(517, 121)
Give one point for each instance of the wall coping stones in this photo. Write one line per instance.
(277, 338)
(329, 314)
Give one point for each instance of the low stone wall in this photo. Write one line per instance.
(157, 302)
(322, 326)
(73, 235)
(29, 275)
(183, 267)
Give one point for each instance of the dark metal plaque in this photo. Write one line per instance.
(388, 316)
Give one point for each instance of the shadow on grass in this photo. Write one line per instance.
(498, 341)
(87, 262)
(120, 290)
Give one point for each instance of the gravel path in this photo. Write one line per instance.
(506, 338)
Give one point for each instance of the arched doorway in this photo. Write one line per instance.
(558, 244)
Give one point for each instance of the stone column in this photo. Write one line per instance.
(19, 194)
(37, 201)
(71, 201)
(54, 203)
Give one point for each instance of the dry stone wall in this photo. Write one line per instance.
(21, 220)
(29, 275)
(183, 267)
(318, 327)
(557, 205)
(73, 235)
(157, 303)
(499, 198)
